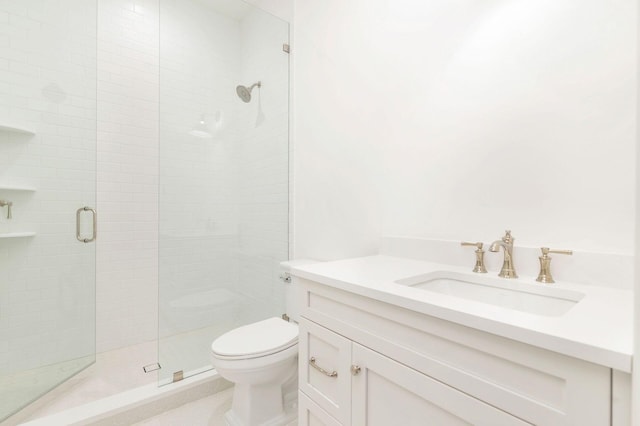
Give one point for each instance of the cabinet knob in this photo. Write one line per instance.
(355, 370)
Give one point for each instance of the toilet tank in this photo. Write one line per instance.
(291, 289)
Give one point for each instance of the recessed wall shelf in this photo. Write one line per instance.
(18, 235)
(4, 127)
(7, 187)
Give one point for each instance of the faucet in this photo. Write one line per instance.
(8, 204)
(506, 243)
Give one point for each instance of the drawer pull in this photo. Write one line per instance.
(355, 370)
(312, 361)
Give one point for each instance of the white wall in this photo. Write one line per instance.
(458, 120)
(282, 9)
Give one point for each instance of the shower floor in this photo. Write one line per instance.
(113, 372)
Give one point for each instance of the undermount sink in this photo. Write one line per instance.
(532, 298)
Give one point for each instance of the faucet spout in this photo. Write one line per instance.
(495, 246)
(508, 270)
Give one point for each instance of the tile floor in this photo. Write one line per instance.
(207, 411)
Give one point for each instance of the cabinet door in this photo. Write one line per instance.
(325, 358)
(310, 413)
(386, 392)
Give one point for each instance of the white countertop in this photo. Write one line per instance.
(597, 329)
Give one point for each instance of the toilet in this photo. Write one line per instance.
(261, 359)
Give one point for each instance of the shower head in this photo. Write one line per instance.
(245, 93)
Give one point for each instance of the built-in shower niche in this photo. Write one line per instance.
(19, 216)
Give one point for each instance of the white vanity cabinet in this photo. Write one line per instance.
(367, 388)
(375, 363)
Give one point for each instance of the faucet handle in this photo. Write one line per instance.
(479, 244)
(545, 264)
(479, 266)
(547, 250)
(507, 237)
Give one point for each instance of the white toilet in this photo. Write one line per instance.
(261, 359)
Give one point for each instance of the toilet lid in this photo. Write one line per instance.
(257, 339)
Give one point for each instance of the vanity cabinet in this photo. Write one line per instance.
(367, 388)
(367, 362)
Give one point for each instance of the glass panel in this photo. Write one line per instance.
(47, 172)
(223, 174)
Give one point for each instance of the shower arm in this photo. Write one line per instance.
(259, 84)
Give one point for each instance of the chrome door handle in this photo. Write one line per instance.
(95, 224)
(312, 362)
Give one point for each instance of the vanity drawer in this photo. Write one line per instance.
(325, 360)
(311, 414)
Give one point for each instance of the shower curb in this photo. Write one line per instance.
(137, 404)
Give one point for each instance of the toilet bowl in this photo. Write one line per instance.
(261, 359)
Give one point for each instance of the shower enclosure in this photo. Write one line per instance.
(223, 189)
(224, 150)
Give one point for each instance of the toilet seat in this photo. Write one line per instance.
(256, 340)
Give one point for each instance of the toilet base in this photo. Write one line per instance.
(289, 416)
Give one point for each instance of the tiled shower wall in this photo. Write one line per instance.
(263, 166)
(223, 201)
(127, 174)
(199, 67)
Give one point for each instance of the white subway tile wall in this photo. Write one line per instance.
(198, 212)
(264, 170)
(127, 250)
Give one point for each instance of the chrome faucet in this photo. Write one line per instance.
(506, 243)
(8, 204)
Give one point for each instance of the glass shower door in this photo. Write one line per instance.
(47, 193)
(224, 173)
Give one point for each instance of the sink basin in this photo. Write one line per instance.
(533, 298)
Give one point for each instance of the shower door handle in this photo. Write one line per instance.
(94, 216)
